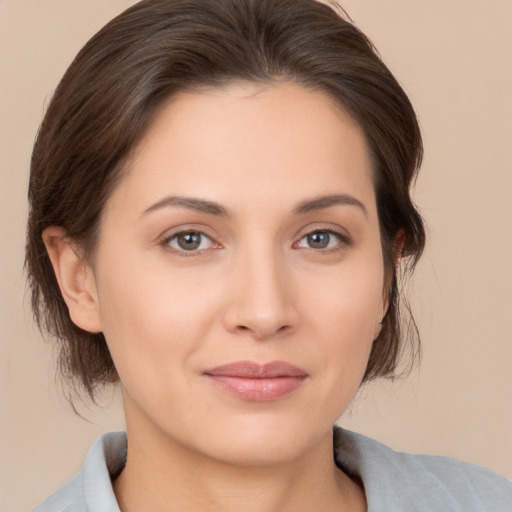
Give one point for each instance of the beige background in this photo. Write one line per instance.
(454, 59)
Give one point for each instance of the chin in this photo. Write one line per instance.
(253, 441)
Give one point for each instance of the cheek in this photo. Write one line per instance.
(351, 300)
(344, 314)
(153, 319)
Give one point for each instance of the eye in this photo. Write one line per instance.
(321, 239)
(189, 241)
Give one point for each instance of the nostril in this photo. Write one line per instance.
(262, 332)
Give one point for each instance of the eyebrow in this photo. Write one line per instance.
(191, 203)
(213, 208)
(319, 203)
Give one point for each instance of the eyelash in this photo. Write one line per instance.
(344, 241)
(166, 243)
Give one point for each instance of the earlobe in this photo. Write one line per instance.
(75, 278)
(398, 247)
(378, 328)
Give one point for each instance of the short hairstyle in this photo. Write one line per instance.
(153, 50)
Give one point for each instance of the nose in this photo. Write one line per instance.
(262, 299)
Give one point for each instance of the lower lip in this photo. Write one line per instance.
(257, 390)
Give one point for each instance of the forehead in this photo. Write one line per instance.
(244, 141)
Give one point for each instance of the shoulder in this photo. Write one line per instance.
(407, 482)
(68, 498)
(91, 489)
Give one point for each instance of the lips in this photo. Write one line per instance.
(257, 383)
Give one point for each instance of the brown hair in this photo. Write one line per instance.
(158, 47)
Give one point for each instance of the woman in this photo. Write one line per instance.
(219, 202)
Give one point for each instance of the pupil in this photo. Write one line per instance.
(189, 241)
(318, 240)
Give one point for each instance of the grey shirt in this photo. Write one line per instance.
(393, 481)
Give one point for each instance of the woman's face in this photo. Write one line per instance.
(244, 233)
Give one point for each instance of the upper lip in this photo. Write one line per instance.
(252, 370)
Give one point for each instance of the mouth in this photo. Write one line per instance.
(256, 382)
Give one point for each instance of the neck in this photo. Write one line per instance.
(162, 475)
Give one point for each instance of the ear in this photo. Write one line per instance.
(75, 278)
(398, 246)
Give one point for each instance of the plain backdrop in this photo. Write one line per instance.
(454, 60)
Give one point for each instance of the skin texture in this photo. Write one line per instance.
(254, 290)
